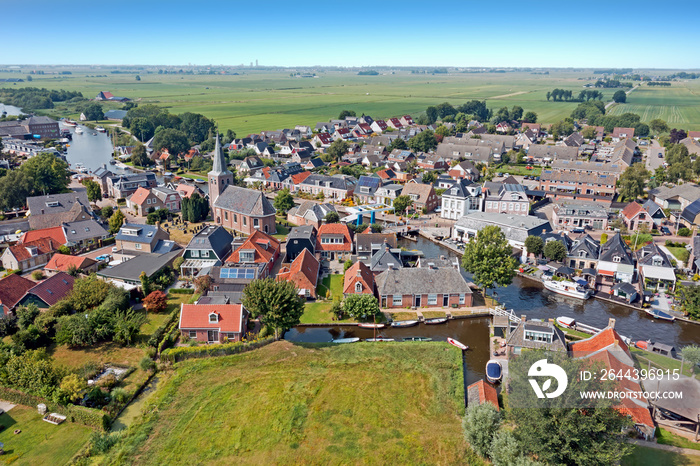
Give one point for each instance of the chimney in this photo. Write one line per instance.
(523, 318)
(158, 225)
(551, 321)
(359, 273)
(611, 322)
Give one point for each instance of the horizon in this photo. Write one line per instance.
(620, 35)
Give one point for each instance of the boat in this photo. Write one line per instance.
(373, 340)
(189, 180)
(494, 371)
(659, 314)
(567, 288)
(112, 162)
(371, 325)
(78, 130)
(458, 344)
(567, 322)
(641, 344)
(100, 129)
(346, 340)
(168, 174)
(68, 122)
(438, 320)
(417, 339)
(94, 134)
(404, 323)
(198, 181)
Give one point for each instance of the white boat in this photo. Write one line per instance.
(458, 344)
(379, 339)
(567, 288)
(371, 325)
(404, 323)
(494, 371)
(100, 129)
(346, 340)
(566, 322)
(198, 181)
(68, 122)
(78, 130)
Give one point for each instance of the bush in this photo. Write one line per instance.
(101, 442)
(156, 301)
(480, 423)
(120, 395)
(37, 275)
(181, 291)
(684, 232)
(107, 381)
(147, 364)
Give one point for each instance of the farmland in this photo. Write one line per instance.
(287, 403)
(678, 105)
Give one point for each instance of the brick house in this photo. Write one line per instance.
(422, 287)
(144, 201)
(213, 323)
(170, 198)
(422, 195)
(303, 272)
(63, 263)
(359, 280)
(634, 216)
(123, 186)
(48, 292)
(30, 255)
(336, 187)
(244, 210)
(259, 248)
(334, 241)
(12, 289)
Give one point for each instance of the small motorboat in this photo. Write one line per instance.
(458, 344)
(372, 340)
(189, 180)
(659, 314)
(68, 122)
(94, 134)
(417, 339)
(100, 129)
(641, 344)
(371, 325)
(168, 174)
(404, 323)
(346, 340)
(566, 322)
(78, 130)
(494, 371)
(112, 162)
(567, 288)
(438, 320)
(198, 181)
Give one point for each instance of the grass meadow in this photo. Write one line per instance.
(678, 105)
(284, 403)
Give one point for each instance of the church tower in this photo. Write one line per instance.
(219, 178)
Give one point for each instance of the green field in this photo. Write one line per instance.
(645, 456)
(678, 105)
(39, 442)
(289, 404)
(256, 101)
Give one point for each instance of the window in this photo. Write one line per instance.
(398, 300)
(432, 299)
(247, 256)
(137, 246)
(194, 253)
(205, 253)
(235, 218)
(488, 204)
(358, 287)
(213, 318)
(225, 214)
(517, 207)
(193, 334)
(617, 259)
(245, 221)
(256, 222)
(461, 298)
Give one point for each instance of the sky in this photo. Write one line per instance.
(564, 33)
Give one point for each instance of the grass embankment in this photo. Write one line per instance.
(285, 403)
(659, 361)
(645, 456)
(319, 312)
(680, 254)
(665, 437)
(39, 442)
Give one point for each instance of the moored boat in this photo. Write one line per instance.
(372, 340)
(417, 339)
(68, 122)
(371, 325)
(346, 340)
(641, 344)
(78, 130)
(438, 320)
(404, 323)
(458, 344)
(198, 181)
(567, 322)
(100, 129)
(567, 288)
(494, 371)
(659, 314)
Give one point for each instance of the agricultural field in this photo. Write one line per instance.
(254, 101)
(678, 105)
(291, 404)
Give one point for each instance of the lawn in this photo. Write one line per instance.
(645, 456)
(290, 404)
(39, 442)
(659, 361)
(680, 254)
(433, 314)
(668, 438)
(319, 312)
(519, 170)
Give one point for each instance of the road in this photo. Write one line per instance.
(653, 160)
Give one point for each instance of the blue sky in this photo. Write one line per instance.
(288, 33)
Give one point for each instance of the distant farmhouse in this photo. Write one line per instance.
(104, 95)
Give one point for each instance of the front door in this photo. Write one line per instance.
(213, 336)
(417, 300)
(445, 300)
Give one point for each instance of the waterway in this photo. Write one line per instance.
(10, 110)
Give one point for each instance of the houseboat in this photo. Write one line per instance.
(567, 288)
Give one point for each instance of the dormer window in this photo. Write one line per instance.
(213, 318)
(617, 259)
(358, 287)
(582, 254)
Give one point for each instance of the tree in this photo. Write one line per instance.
(72, 387)
(94, 112)
(196, 127)
(534, 245)
(401, 203)
(145, 284)
(530, 117)
(516, 113)
(555, 251)
(424, 141)
(376, 227)
(397, 143)
(116, 221)
(490, 258)
(156, 301)
(195, 208)
(337, 149)
(202, 283)
(432, 114)
(632, 181)
(49, 173)
(15, 187)
(26, 315)
(691, 353)
(480, 423)
(276, 303)
(443, 131)
(620, 97)
(88, 293)
(142, 128)
(658, 126)
(174, 140)
(107, 211)
(589, 132)
(429, 177)
(346, 113)
(361, 306)
(332, 217)
(347, 265)
(94, 191)
(505, 450)
(283, 201)
(139, 156)
(684, 231)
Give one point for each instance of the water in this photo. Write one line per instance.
(10, 110)
(473, 332)
(134, 409)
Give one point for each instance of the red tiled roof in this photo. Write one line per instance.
(603, 339)
(185, 190)
(257, 242)
(386, 174)
(325, 138)
(300, 177)
(629, 132)
(381, 123)
(196, 316)
(694, 134)
(55, 233)
(43, 245)
(63, 262)
(334, 229)
(487, 393)
(12, 289)
(140, 195)
(365, 277)
(631, 210)
(303, 272)
(395, 122)
(53, 289)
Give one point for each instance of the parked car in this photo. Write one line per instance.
(103, 258)
(665, 231)
(579, 230)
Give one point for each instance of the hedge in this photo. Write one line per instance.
(181, 290)
(108, 241)
(78, 414)
(158, 334)
(173, 355)
(170, 336)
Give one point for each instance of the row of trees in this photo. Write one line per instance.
(195, 208)
(42, 174)
(32, 98)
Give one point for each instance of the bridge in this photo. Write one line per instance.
(357, 212)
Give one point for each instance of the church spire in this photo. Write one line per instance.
(219, 167)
